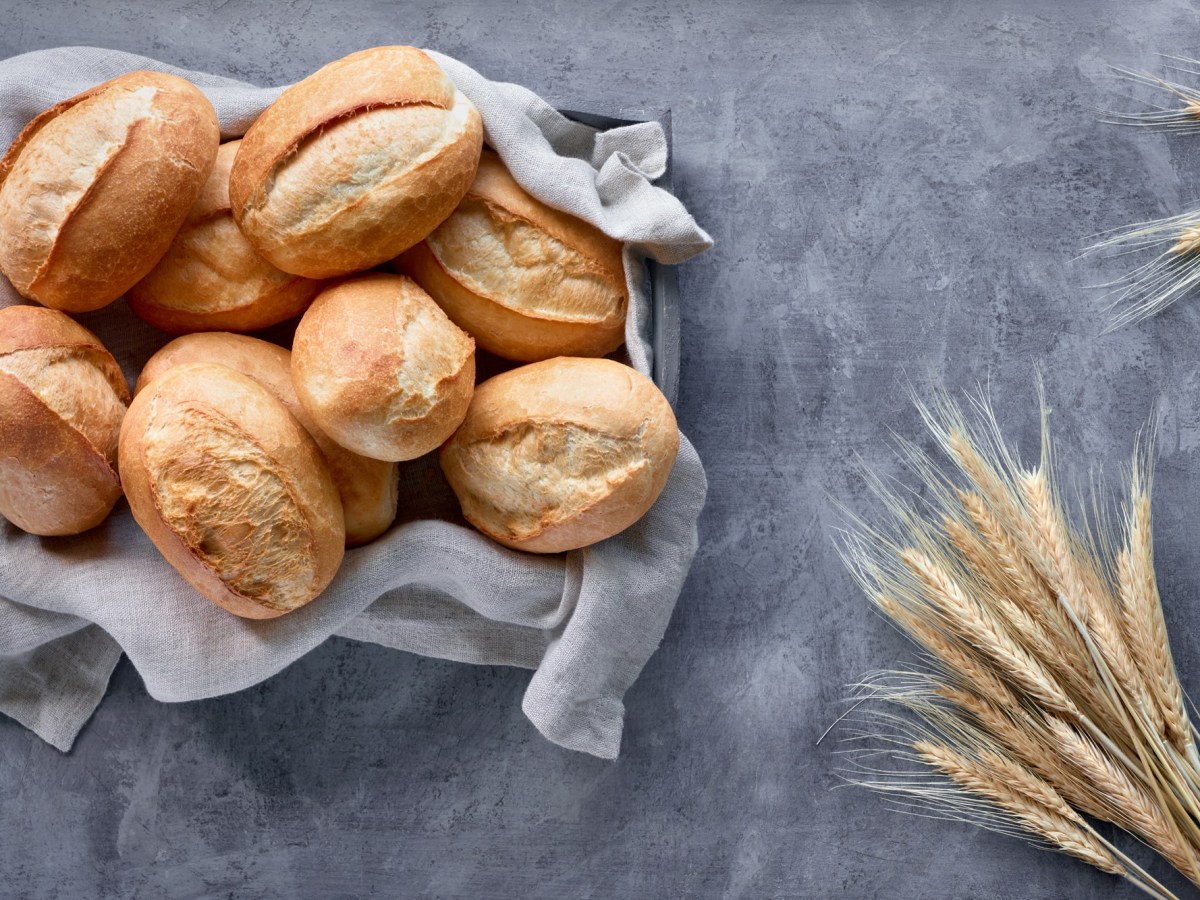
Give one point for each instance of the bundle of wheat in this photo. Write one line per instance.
(1048, 696)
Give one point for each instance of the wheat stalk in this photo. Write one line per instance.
(1171, 272)
(1183, 113)
(1051, 693)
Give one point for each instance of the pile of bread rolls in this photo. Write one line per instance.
(362, 200)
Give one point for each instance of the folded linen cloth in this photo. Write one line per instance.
(585, 621)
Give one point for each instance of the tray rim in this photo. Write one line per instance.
(664, 279)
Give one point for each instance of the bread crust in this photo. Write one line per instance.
(528, 311)
(105, 233)
(381, 369)
(560, 454)
(257, 552)
(211, 278)
(368, 487)
(376, 220)
(54, 480)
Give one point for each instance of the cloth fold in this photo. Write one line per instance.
(585, 621)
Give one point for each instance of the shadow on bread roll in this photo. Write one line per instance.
(62, 399)
(211, 278)
(380, 368)
(560, 454)
(527, 281)
(356, 163)
(368, 487)
(232, 490)
(93, 190)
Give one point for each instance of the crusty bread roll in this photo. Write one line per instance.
(232, 490)
(62, 398)
(211, 278)
(368, 487)
(93, 190)
(381, 369)
(561, 454)
(527, 281)
(355, 163)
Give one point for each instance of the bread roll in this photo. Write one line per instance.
(527, 281)
(232, 490)
(368, 487)
(93, 190)
(561, 454)
(355, 163)
(211, 278)
(381, 369)
(62, 398)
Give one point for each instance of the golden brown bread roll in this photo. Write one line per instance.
(93, 190)
(62, 398)
(381, 369)
(212, 278)
(368, 487)
(561, 454)
(355, 163)
(527, 281)
(232, 490)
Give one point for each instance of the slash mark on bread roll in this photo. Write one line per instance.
(569, 469)
(232, 490)
(62, 402)
(356, 163)
(511, 261)
(369, 488)
(72, 383)
(226, 499)
(211, 277)
(93, 189)
(527, 281)
(381, 369)
(560, 454)
(60, 171)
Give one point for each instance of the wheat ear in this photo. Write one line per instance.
(1143, 622)
(983, 632)
(1067, 832)
(1126, 804)
(1171, 272)
(1078, 582)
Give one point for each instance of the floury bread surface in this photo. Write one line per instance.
(232, 490)
(93, 190)
(368, 487)
(62, 399)
(212, 278)
(527, 281)
(356, 163)
(560, 454)
(380, 368)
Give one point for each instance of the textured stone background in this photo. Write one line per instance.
(897, 191)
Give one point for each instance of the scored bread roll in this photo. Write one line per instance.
(62, 399)
(381, 369)
(212, 278)
(527, 281)
(232, 490)
(355, 163)
(560, 454)
(94, 189)
(369, 488)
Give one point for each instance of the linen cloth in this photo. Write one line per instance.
(585, 621)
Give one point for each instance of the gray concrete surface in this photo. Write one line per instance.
(896, 190)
